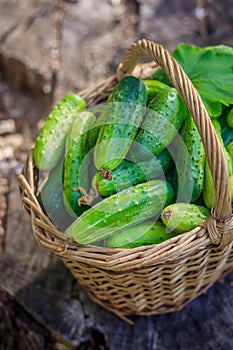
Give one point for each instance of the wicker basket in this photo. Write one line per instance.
(158, 278)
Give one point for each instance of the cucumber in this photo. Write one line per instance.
(229, 149)
(208, 194)
(152, 88)
(120, 122)
(84, 122)
(208, 188)
(230, 118)
(231, 187)
(76, 164)
(93, 136)
(128, 207)
(190, 163)
(145, 233)
(50, 142)
(183, 217)
(51, 198)
(128, 174)
(218, 129)
(165, 115)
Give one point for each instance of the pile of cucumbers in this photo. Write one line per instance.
(130, 172)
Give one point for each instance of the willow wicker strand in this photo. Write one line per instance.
(213, 148)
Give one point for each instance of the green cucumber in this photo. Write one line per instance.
(208, 188)
(218, 129)
(183, 217)
(208, 194)
(231, 186)
(190, 163)
(230, 118)
(165, 115)
(226, 130)
(77, 161)
(229, 149)
(120, 122)
(51, 198)
(145, 233)
(84, 122)
(50, 142)
(152, 88)
(128, 207)
(128, 174)
(93, 136)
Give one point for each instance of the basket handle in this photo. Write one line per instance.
(220, 223)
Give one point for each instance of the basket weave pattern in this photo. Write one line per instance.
(158, 278)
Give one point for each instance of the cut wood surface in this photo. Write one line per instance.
(49, 48)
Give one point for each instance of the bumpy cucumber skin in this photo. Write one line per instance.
(183, 217)
(93, 136)
(190, 164)
(82, 123)
(120, 122)
(230, 118)
(152, 88)
(231, 186)
(50, 142)
(226, 152)
(128, 207)
(208, 188)
(229, 149)
(76, 168)
(129, 174)
(51, 198)
(165, 116)
(145, 233)
(208, 194)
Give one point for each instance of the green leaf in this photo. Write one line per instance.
(211, 72)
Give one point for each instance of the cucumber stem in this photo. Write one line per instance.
(106, 174)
